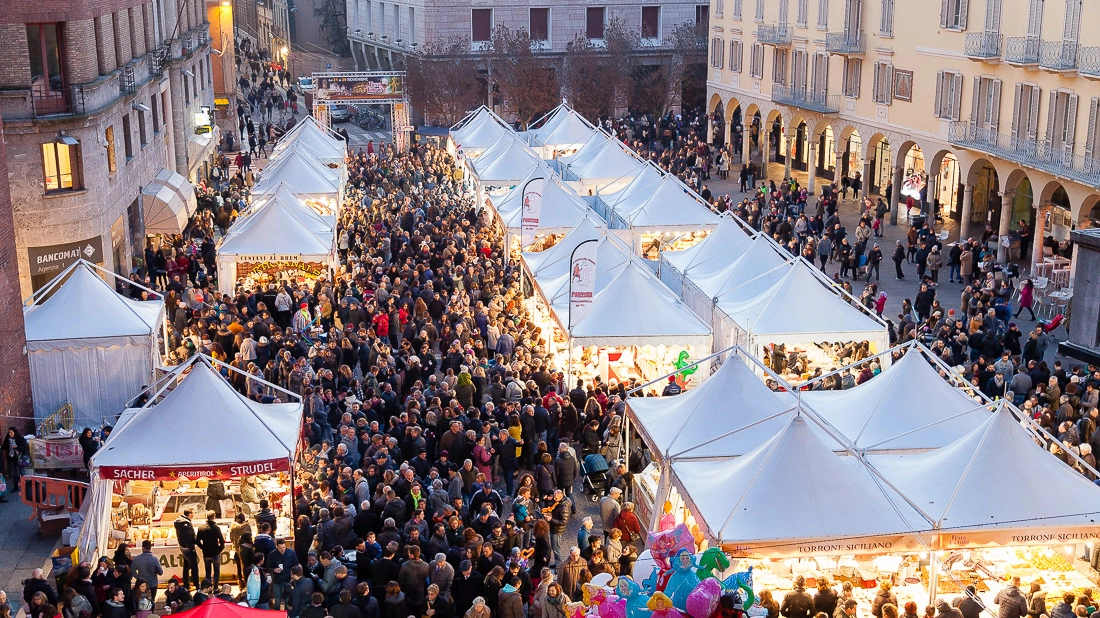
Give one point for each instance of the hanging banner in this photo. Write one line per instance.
(582, 280)
(209, 471)
(531, 210)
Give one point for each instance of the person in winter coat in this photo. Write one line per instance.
(1063, 608)
(825, 599)
(301, 590)
(971, 606)
(883, 597)
(510, 604)
(899, 258)
(566, 468)
(1027, 298)
(945, 610)
(798, 603)
(1036, 601)
(395, 605)
(935, 263)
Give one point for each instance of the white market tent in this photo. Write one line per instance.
(639, 186)
(310, 133)
(665, 320)
(305, 173)
(954, 485)
(669, 209)
(89, 346)
(168, 202)
(607, 165)
(335, 170)
(729, 414)
(477, 132)
(585, 230)
(552, 278)
(240, 437)
(508, 160)
(798, 310)
(891, 411)
(564, 132)
(737, 274)
(837, 500)
(282, 230)
(725, 243)
(562, 210)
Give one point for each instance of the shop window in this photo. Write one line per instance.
(61, 165)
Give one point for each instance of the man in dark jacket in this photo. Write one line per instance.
(559, 521)
(280, 563)
(37, 582)
(301, 589)
(84, 586)
(365, 601)
(465, 587)
(185, 536)
(798, 603)
(565, 469)
(211, 541)
(899, 257)
(1011, 602)
(413, 578)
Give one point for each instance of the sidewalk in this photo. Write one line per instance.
(22, 548)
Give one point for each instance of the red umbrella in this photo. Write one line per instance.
(217, 608)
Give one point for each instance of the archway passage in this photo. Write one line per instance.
(986, 201)
(825, 159)
(717, 121)
(777, 144)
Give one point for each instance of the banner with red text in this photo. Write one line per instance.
(208, 471)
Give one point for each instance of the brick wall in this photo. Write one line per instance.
(105, 43)
(15, 70)
(26, 12)
(123, 50)
(15, 397)
(80, 51)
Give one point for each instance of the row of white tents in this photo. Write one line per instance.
(903, 461)
(738, 285)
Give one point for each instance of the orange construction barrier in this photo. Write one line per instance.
(44, 493)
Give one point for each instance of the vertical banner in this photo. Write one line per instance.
(532, 211)
(582, 280)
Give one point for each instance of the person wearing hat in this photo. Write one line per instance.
(672, 388)
(302, 319)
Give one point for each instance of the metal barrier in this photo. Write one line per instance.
(44, 493)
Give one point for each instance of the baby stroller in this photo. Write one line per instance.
(593, 470)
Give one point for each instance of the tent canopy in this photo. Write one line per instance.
(508, 159)
(714, 252)
(168, 202)
(478, 131)
(279, 227)
(761, 255)
(566, 128)
(585, 230)
(85, 307)
(317, 139)
(236, 431)
(562, 209)
(666, 320)
(668, 204)
(957, 484)
(700, 422)
(304, 173)
(608, 162)
(782, 309)
(553, 278)
(892, 411)
(836, 499)
(217, 608)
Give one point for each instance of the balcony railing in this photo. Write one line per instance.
(159, 59)
(1022, 50)
(1033, 154)
(1088, 61)
(983, 45)
(848, 43)
(187, 44)
(1058, 55)
(773, 35)
(66, 102)
(126, 82)
(804, 99)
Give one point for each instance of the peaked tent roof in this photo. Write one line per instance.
(892, 410)
(481, 130)
(669, 203)
(782, 309)
(305, 174)
(956, 484)
(566, 127)
(585, 230)
(665, 317)
(235, 429)
(317, 139)
(514, 197)
(611, 160)
(553, 279)
(509, 159)
(299, 156)
(837, 500)
(561, 208)
(591, 146)
(761, 255)
(713, 252)
(84, 306)
(733, 398)
(278, 227)
(285, 195)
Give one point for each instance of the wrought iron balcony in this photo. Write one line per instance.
(187, 45)
(65, 102)
(1088, 62)
(846, 43)
(126, 82)
(773, 35)
(807, 100)
(983, 45)
(1058, 55)
(1022, 50)
(159, 58)
(1033, 154)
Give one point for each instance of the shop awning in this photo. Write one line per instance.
(168, 201)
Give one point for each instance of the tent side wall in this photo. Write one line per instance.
(96, 376)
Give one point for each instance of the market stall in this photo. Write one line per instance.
(725, 243)
(507, 160)
(638, 187)
(604, 165)
(283, 240)
(146, 475)
(776, 322)
(749, 274)
(326, 145)
(563, 133)
(89, 346)
(305, 173)
(668, 214)
(475, 133)
(560, 210)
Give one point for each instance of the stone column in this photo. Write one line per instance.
(179, 122)
(967, 207)
(811, 177)
(137, 31)
(1005, 222)
(105, 43)
(746, 144)
(866, 180)
(789, 140)
(1037, 234)
(80, 52)
(123, 50)
(895, 194)
(710, 129)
